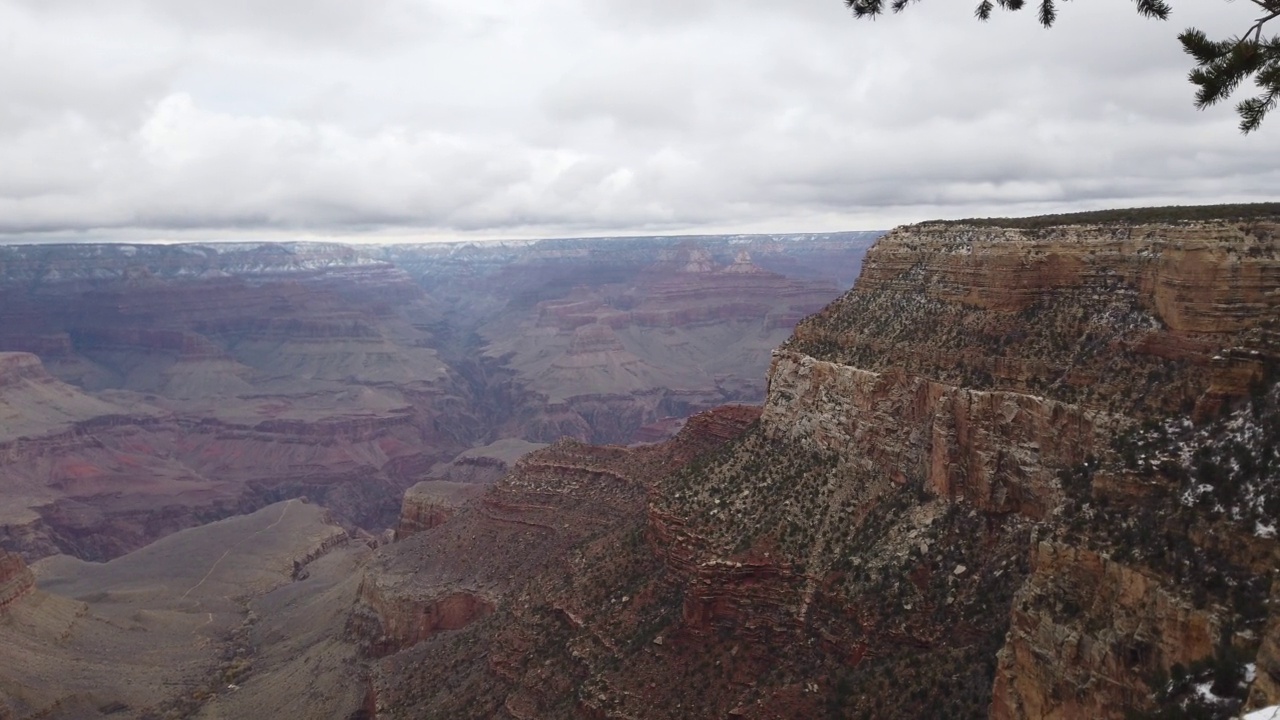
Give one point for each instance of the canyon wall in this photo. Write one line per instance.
(1018, 472)
(431, 503)
(174, 413)
(148, 388)
(1010, 370)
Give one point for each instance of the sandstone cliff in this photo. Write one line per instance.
(1095, 314)
(1017, 472)
(477, 583)
(1012, 370)
(431, 503)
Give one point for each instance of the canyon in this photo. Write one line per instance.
(1022, 469)
(151, 388)
(1016, 472)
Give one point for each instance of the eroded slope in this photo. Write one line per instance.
(1024, 473)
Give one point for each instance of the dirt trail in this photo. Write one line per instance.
(229, 550)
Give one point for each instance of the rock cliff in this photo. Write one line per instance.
(1019, 471)
(482, 573)
(1013, 370)
(1094, 314)
(16, 580)
(431, 503)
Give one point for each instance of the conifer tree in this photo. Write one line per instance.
(1220, 65)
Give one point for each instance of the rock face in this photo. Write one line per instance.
(431, 503)
(1094, 314)
(472, 573)
(16, 581)
(998, 450)
(1266, 689)
(1017, 472)
(1148, 625)
(1000, 367)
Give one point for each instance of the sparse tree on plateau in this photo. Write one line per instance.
(1220, 65)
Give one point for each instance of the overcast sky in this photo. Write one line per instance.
(415, 119)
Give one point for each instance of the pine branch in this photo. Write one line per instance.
(1220, 65)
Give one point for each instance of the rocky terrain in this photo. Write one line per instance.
(145, 389)
(1023, 469)
(223, 620)
(1016, 473)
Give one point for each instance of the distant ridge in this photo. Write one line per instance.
(1168, 213)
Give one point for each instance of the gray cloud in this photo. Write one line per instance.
(161, 118)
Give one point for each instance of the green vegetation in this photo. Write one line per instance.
(928, 583)
(1182, 696)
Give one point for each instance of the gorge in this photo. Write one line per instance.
(1023, 469)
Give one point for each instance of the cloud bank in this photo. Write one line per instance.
(145, 119)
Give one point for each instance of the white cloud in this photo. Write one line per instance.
(495, 117)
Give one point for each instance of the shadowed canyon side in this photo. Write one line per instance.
(1013, 473)
(145, 389)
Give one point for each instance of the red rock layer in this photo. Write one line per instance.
(431, 503)
(16, 580)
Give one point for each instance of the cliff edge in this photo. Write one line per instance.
(1022, 471)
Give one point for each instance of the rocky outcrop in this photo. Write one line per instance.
(1266, 688)
(334, 540)
(1002, 368)
(531, 527)
(431, 503)
(1000, 451)
(16, 367)
(722, 424)
(1145, 319)
(16, 580)
(389, 624)
(1055, 666)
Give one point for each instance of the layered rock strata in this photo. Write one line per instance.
(179, 384)
(1015, 472)
(431, 503)
(992, 365)
(472, 574)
